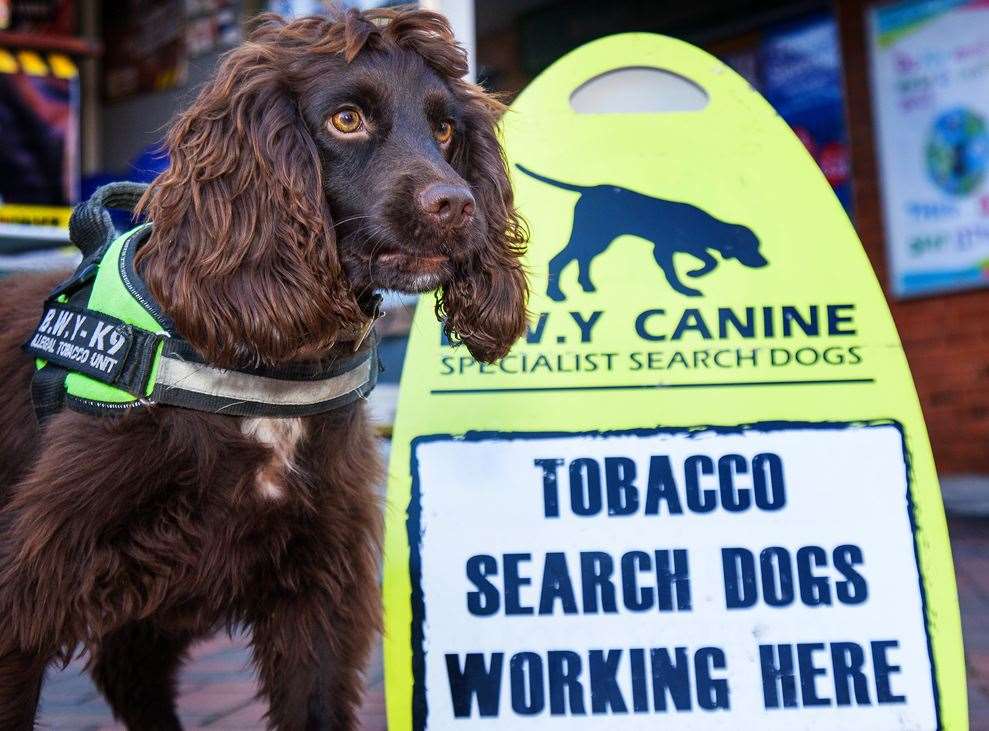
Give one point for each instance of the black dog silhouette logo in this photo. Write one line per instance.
(605, 212)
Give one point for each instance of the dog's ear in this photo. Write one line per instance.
(243, 254)
(484, 304)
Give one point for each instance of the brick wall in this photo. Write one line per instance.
(946, 337)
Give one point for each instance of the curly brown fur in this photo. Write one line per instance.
(243, 253)
(132, 536)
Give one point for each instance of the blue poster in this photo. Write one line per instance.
(799, 71)
(930, 67)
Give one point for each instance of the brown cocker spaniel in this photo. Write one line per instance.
(327, 158)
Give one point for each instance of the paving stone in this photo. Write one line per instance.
(247, 716)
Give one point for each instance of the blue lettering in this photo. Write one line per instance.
(770, 492)
(564, 677)
(586, 325)
(853, 590)
(605, 693)
(777, 577)
(778, 677)
(673, 581)
(738, 565)
(474, 681)
(836, 320)
(848, 659)
(661, 487)
(596, 569)
(883, 668)
(485, 601)
(640, 325)
(640, 693)
(636, 598)
(670, 678)
(551, 488)
(623, 497)
(514, 583)
(809, 672)
(528, 694)
(556, 585)
(585, 493)
(712, 693)
(732, 500)
(814, 590)
(699, 501)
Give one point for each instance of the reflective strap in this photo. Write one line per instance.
(218, 383)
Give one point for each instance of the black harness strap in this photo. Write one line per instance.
(92, 231)
(90, 227)
(48, 382)
(48, 391)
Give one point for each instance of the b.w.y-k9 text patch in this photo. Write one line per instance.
(82, 340)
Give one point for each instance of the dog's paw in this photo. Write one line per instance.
(555, 294)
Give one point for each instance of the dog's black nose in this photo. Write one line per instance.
(449, 205)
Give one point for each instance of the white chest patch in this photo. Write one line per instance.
(282, 436)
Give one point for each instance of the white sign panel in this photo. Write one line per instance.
(930, 62)
(719, 578)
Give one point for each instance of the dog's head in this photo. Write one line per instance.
(741, 244)
(326, 159)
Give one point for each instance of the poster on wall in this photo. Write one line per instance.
(930, 65)
(796, 66)
(698, 494)
(800, 75)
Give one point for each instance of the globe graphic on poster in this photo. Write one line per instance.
(957, 151)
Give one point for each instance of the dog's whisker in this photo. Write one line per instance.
(230, 405)
(348, 220)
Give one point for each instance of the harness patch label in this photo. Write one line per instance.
(81, 340)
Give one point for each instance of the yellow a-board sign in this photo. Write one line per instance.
(700, 494)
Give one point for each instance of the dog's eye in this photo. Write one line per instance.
(347, 121)
(444, 131)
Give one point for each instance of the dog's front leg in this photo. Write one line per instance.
(31, 598)
(310, 660)
(66, 567)
(285, 646)
(312, 637)
(21, 675)
(136, 667)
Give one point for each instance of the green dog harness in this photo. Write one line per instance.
(104, 346)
